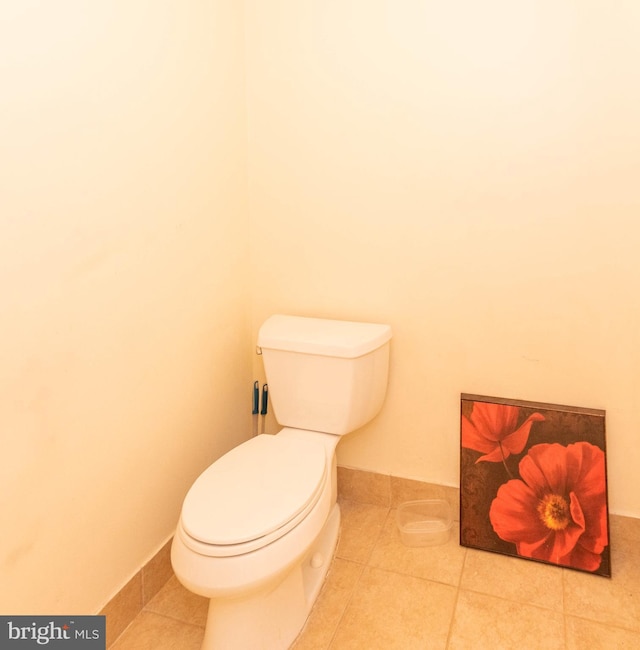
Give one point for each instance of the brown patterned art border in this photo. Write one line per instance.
(533, 482)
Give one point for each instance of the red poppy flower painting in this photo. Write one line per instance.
(558, 511)
(541, 491)
(492, 429)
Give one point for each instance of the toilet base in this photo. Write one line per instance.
(272, 618)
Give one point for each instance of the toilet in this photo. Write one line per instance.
(259, 526)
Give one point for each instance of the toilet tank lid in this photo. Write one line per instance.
(331, 338)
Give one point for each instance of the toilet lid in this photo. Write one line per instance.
(254, 489)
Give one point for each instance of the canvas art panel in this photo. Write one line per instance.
(533, 482)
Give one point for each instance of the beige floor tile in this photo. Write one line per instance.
(175, 601)
(625, 534)
(364, 487)
(151, 631)
(583, 634)
(403, 489)
(156, 573)
(613, 601)
(487, 623)
(625, 531)
(389, 610)
(330, 605)
(361, 524)
(513, 578)
(123, 608)
(441, 563)
(380, 594)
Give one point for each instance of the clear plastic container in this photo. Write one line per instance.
(424, 523)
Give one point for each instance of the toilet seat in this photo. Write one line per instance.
(253, 495)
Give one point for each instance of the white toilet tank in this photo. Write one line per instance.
(325, 375)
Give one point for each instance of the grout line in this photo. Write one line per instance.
(172, 618)
(377, 539)
(348, 603)
(453, 618)
(363, 564)
(455, 602)
(122, 636)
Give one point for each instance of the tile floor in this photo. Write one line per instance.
(381, 594)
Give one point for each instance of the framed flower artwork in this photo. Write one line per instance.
(533, 482)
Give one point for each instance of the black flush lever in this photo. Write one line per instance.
(256, 398)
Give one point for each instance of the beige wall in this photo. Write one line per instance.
(467, 172)
(123, 311)
(464, 171)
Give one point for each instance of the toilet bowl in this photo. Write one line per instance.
(259, 526)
